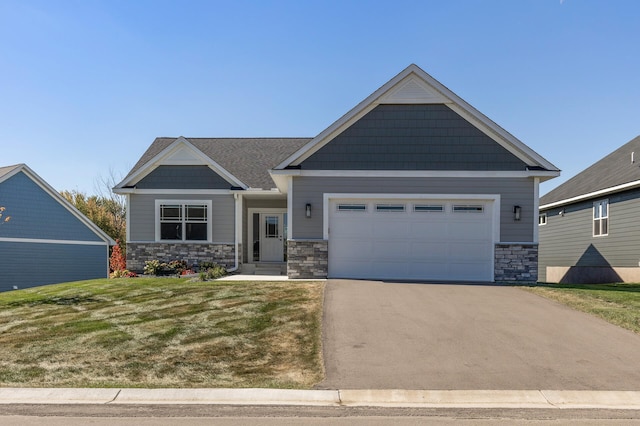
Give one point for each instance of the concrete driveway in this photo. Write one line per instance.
(380, 335)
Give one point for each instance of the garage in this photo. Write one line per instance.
(414, 238)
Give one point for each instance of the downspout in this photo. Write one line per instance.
(238, 201)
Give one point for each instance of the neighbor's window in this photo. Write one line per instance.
(542, 219)
(184, 221)
(601, 218)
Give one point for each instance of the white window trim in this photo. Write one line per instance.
(598, 204)
(182, 203)
(542, 219)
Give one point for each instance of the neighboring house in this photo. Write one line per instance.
(589, 227)
(48, 240)
(413, 183)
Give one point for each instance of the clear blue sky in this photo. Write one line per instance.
(87, 85)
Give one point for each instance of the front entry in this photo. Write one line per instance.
(272, 237)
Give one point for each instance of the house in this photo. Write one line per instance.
(413, 183)
(48, 240)
(589, 229)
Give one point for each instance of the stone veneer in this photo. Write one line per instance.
(307, 258)
(516, 263)
(139, 253)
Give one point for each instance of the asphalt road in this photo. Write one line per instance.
(196, 415)
(380, 335)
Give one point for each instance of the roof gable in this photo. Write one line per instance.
(248, 160)
(413, 137)
(28, 178)
(414, 86)
(619, 170)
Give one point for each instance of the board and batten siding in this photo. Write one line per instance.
(27, 264)
(142, 215)
(513, 191)
(567, 239)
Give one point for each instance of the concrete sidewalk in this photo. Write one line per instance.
(618, 400)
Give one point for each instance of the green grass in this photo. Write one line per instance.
(616, 303)
(162, 332)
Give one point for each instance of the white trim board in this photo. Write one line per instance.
(44, 241)
(606, 191)
(419, 173)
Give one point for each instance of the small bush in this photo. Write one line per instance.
(152, 267)
(213, 272)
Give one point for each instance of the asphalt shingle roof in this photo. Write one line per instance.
(248, 159)
(613, 170)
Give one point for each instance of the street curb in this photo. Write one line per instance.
(546, 399)
(228, 396)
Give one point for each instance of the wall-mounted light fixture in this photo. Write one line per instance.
(307, 210)
(516, 212)
(561, 212)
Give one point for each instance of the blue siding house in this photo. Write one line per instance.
(47, 240)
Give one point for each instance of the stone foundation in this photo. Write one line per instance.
(307, 258)
(517, 263)
(139, 253)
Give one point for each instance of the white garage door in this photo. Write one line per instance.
(411, 239)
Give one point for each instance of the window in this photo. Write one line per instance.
(428, 208)
(468, 209)
(542, 219)
(601, 218)
(390, 207)
(183, 221)
(352, 207)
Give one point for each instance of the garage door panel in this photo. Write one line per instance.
(416, 245)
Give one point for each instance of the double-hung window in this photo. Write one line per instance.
(601, 218)
(183, 220)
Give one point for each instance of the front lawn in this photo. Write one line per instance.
(616, 303)
(162, 332)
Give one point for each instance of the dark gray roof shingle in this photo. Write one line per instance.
(248, 159)
(613, 170)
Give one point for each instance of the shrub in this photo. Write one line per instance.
(117, 262)
(123, 273)
(213, 272)
(152, 267)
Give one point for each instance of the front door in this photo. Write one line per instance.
(272, 237)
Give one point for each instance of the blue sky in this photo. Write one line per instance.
(87, 85)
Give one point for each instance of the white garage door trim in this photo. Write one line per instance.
(493, 199)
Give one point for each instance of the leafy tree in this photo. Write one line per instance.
(108, 214)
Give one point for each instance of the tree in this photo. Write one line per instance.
(106, 213)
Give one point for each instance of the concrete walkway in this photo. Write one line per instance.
(349, 398)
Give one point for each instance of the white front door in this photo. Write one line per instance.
(272, 237)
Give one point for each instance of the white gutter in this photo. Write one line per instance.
(605, 191)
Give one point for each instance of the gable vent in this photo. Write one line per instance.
(413, 91)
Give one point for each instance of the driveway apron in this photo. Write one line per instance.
(381, 335)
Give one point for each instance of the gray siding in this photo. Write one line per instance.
(25, 265)
(183, 177)
(412, 137)
(568, 240)
(142, 215)
(512, 191)
(36, 214)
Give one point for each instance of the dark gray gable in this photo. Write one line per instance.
(183, 177)
(412, 137)
(613, 170)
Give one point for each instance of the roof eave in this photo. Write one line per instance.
(594, 194)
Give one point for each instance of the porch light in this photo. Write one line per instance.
(307, 210)
(516, 212)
